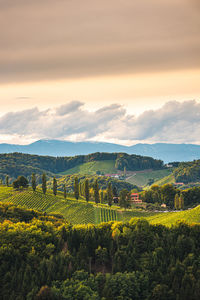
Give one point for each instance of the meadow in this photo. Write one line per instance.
(141, 178)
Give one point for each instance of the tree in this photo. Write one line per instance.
(109, 194)
(21, 181)
(33, 182)
(87, 190)
(54, 186)
(65, 191)
(7, 180)
(181, 201)
(44, 183)
(176, 201)
(124, 171)
(76, 188)
(124, 198)
(96, 192)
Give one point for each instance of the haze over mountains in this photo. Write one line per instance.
(164, 151)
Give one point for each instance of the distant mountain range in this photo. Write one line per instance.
(166, 152)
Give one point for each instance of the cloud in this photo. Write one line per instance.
(177, 122)
(43, 40)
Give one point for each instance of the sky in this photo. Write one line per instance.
(118, 71)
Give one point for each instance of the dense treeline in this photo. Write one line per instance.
(15, 164)
(167, 194)
(135, 260)
(188, 172)
(102, 182)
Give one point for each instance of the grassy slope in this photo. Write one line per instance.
(141, 178)
(80, 212)
(90, 168)
(168, 179)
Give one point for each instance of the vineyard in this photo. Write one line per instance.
(107, 215)
(80, 212)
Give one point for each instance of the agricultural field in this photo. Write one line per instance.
(141, 178)
(90, 168)
(80, 212)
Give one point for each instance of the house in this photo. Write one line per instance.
(135, 198)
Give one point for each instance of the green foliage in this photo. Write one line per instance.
(15, 164)
(188, 172)
(44, 183)
(87, 190)
(20, 182)
(51, 259)
(64, 191)
(76, 188)
(33, 182)
(96, 192)
(124, 198)
(54, 186)
(7, 180)
(109, 194)
(142, 178)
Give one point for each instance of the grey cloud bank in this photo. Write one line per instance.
(49, 39)
(174, 122)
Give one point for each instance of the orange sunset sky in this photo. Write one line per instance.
(117, 71)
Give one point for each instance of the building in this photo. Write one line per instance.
(135, 198)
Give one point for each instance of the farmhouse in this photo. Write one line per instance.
(135, 198)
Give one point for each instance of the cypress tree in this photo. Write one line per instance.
(176, 201)
(96, 192)
(7, 180)
(76, 188)
(109, 194)
(65, 191)
(44, 183)
(87, 190)
(33, 182)
(55, 186)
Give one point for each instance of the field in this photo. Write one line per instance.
(80, 212)
(90, 168)
(141, 178)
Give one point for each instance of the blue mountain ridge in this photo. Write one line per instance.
(166, 152)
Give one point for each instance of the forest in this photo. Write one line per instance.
(45, 257)
(15, 164)
(188, 172)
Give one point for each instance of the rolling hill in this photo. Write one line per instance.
(80, 212)
(15, 164)
(142, 178)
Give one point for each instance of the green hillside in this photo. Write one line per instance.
(80, 212)
(141, 178)
(15, 164)
(168, 219)
(90, 168)
(168, 179)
